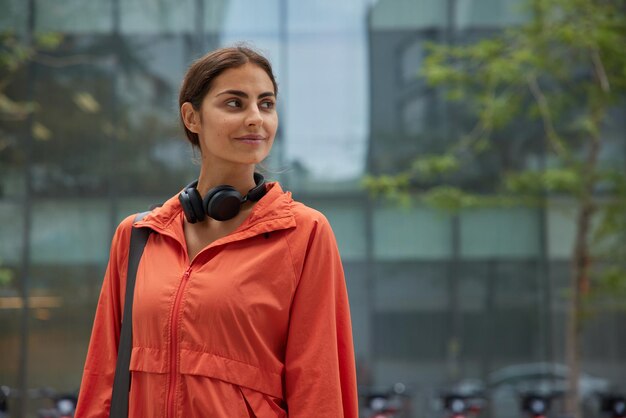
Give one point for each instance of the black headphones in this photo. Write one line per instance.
(220, 203)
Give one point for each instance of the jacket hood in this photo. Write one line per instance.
(272, 212)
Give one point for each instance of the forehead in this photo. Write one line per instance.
(248, 77)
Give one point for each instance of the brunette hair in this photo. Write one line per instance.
(203, 71)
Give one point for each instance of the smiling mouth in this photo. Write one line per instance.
(251, 138)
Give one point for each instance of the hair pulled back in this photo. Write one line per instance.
(200, 75)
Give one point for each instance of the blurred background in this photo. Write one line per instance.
(89, 134)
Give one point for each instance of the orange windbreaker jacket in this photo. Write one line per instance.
(256, 325)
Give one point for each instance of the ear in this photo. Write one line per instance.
(191, 117)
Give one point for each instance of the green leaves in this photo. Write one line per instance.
(431, 166)
(12, 110)
(6, 276)
(609, 290)
(48, 41)
(13, 53)
(451, 199)
(557, 69)
(535, 183)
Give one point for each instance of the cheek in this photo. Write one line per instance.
(218, 127)
(274, 124)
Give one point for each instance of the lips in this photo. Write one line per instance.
(251, 137)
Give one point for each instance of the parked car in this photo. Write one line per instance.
(505, 387)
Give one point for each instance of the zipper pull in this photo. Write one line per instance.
(187, 273)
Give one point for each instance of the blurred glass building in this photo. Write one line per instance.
(435, 297)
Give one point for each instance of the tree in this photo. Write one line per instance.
(93, 89)
(563, 73)
(56, 139)
(14, 56)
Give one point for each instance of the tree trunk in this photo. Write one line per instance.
(579, 284)
(581, 268)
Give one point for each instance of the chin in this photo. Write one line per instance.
(255, 159)
(251, 161)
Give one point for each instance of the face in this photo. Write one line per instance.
(237, 121)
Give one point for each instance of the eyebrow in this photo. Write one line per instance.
(240, 93)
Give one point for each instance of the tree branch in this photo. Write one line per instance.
(51, 61)
(600, 71)
(544, 109)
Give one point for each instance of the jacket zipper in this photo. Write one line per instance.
(171, 398)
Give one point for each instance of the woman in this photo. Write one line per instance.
(237, 315)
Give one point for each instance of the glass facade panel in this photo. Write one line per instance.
(11, 233)
(326, 131)
(14, 15)
(70, 231)
(500, 233)
(489, 13)
(314, 17)
(410, 287)
(408, 14)
(415, 116)
(412, 58)
(162, 17)
(561, 229)
(249, 19)
(74, 16)
(411, 335)
(400, 233)
(64, 313)
(348, 223)
(358, 281)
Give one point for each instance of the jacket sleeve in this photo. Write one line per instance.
(320, 377)
(94, 397)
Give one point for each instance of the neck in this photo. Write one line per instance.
(240, 177)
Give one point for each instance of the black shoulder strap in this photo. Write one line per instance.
(121, 383)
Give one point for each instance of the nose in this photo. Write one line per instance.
(254, 117)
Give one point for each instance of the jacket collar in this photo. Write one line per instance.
(273, 212)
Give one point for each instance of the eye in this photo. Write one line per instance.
(233, 103)
(268, 104)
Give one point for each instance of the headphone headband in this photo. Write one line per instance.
(220, 203)
(256, 193)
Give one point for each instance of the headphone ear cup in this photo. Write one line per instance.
(191, 202)
(222, 203)
(183, 198)
(196, 204)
